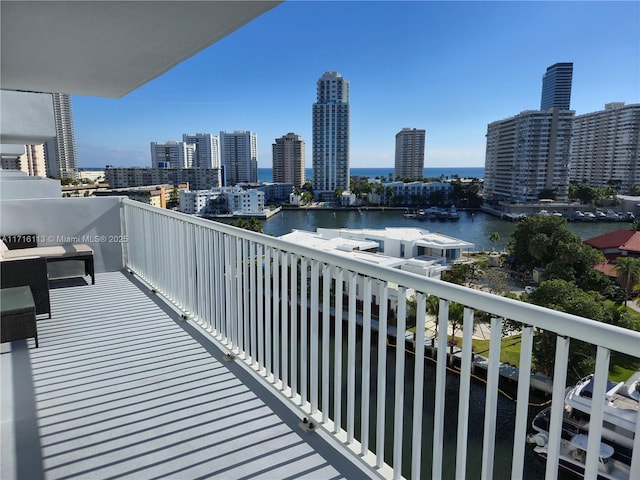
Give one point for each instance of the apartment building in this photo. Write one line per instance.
(330, 125)
(206, 149)
(605, 147)
(197, 178)
(172, 154)
(60, 151)
(409, 158)
(288, 159)
(239, 156)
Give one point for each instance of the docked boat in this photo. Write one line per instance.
(618, 430)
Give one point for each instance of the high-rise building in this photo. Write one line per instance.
(331, 116)
(60, 151)
(172, 154)
(605, 147)
(527, 157)
(410, 154)
(32, 161)
(239, 156)
(288, 159)
(556, 87)
(207, 150)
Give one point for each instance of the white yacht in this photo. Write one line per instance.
(618, 429)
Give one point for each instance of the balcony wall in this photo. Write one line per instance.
(57, 221)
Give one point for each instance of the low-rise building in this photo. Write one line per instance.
(222, 200)
(409, 249)
(197, 178)
(156, 195)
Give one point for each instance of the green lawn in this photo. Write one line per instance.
(621, 366)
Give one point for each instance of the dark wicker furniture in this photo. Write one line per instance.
(20, 246)
(31, 272)
(17, 315)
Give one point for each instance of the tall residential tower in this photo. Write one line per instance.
(239, 156)
(288, 160)
(410, 154)
(207, 150)
(605, 147)
(60, 151)
(527, 155)
(331, 116)
(172, 154)
(556, 87)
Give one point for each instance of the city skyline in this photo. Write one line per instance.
(448, 67)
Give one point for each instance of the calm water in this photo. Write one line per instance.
(474, 228)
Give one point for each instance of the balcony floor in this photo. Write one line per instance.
(122, 388)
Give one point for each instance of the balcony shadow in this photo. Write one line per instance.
(337, 459)
(27, 448)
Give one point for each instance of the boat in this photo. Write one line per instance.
(618, 430)
(573, 456)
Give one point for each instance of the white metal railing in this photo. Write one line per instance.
(273, 304)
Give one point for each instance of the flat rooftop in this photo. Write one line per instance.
(121, 387)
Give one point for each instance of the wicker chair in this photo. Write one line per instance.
(32, 272)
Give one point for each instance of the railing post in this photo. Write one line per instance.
(441, 383)
(293, 299)
(284, 319)
(491, 401)
(418, 386)
(337, 367)
(304, 336)
(382, 373)
(398, 410)
(366, 366)
(351, 359)
(274, 303)
(465, 393)
(314, 334)
(557, 406)
(522, 406)
(326, 323)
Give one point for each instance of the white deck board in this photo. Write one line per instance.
(122, 388)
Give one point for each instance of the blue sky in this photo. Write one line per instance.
(448, 67)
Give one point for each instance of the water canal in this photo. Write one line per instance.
(471, 227)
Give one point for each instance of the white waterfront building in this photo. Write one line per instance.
(234, 200)
(411, 249)
(409, 192)
(527, 157)
(408, 249)
(605, 147)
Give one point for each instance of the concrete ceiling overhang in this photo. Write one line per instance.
(108, 48)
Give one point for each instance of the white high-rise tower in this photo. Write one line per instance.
(207, 150)
(239, 155)
(60, 152)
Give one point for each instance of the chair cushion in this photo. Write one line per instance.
(50, 252)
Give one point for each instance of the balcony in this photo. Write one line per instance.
(201, 347)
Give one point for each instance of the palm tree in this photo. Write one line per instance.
(628, 273)
(493, 238)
